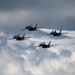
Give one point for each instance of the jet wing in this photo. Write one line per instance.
(37, 46)
(40, 27)
(10, 38)
(23, 29)
(64, 33)
(53, 45)
(48, 34)
(27, 37)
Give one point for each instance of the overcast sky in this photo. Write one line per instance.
(22, 57)
(57, 14)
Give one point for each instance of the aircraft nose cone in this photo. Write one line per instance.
(51, 33)
(40, 45)
(14, 37)
(27, 27)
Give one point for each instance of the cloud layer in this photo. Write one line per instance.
(23, 58)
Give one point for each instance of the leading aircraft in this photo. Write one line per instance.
(54, 33)
(18, 38)
(43, 45)
(30, 28)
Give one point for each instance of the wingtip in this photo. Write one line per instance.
(36, 46)
(10, 39)
(23, 29)
(48, 34)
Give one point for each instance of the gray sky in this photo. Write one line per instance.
(54, 14)
(22, 57)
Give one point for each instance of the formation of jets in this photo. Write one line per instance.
(30, 28)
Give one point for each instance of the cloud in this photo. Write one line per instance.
(22, 58)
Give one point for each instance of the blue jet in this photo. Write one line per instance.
(43, 45)
(30, 28)
(17, 37)
(54, 33)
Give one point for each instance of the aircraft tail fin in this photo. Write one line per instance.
(55, 31)
(23, 34)
(49, 43)
(17, 35)
(60, 31)
(30, 25)
(43, 42)
(36, 25)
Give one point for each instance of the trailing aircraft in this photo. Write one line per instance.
(43, 45)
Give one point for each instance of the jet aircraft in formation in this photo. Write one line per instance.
(30, 28)
(17, 37)
(54, 33)
(43, 45)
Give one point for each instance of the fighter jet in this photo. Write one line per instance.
(30, 28)
(54, 33)
(19, 38)
(43, 45)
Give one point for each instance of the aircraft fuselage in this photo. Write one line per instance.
(56, 34)
(32, 29)
(19, 38)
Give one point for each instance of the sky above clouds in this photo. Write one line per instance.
(48, 13)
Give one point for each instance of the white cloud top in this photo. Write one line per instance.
(23, 58)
